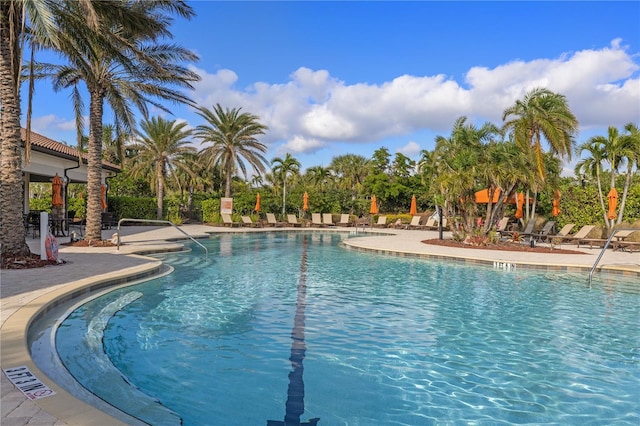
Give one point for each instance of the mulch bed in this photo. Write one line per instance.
(505, 246)
(90, 243)
(26, 262)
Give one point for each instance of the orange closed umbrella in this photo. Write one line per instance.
(56, 189)
(556, 203)
(374, 205)
(519, 203)
(414, 208)
(612, 196)
(103, 196)
(257, 207)
(305, 201)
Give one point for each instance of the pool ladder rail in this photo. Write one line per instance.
(606, 244)
(206, 252)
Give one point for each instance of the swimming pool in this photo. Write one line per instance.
(291, 324)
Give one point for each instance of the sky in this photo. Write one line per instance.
(350, 77)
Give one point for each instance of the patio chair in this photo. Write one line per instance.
(431, 224)
(316, 220)
(381, 223)
(246, 221)
(561, 233)
(327, 219)
(501, 227)
(544, 232)
(272, 221)
(292, 220)
(344, 220)
(578, 236)
(415, 223)
(528, 230)
(107, 220)
(619, 241)
(227, 221)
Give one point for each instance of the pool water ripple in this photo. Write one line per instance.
(389, 341)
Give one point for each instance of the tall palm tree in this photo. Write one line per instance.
(233, 141)
(161, 143)
(14, 15)
(284, 168)
(134, 68)
(605, 149)
(591, 165)
(542, 114)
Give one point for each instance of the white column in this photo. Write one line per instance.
(44, 231)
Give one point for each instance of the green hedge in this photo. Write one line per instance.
(133, 207)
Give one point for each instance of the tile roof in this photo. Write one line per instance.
(49, 146)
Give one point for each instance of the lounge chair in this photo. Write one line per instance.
(544, 232)
(227, 221)
(316, 220)
(579, 236)
(327, 219)
(565, 230)
(528, 230)
(431, 224)
(381, 223)
(344, 220)
(272, 221)
(246, 221)
(619, 241)
(415, 223)
(292, 220)
(501, 227)
(617, 244)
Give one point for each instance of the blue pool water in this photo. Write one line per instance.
(292, 324)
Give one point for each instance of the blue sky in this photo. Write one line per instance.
(333, 78)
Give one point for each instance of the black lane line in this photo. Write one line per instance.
(295, 391)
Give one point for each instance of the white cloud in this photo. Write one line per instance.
(48, 123)
(410, 149)
(313, 109)
(300, 144)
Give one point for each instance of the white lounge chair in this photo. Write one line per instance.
(292, 220)
(227, 221)
(381, 223)
(344, 220)
(327, 219)
(272, 221)
(246, 221)
(316, 220)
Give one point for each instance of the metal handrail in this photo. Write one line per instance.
(206, 252)
(606, 244)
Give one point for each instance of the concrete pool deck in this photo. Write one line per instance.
(24, 293)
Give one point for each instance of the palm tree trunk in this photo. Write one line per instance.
(12, 233)
(94, 168)
(160, 191)
(284, 197)
(227, 185)
(625, 190)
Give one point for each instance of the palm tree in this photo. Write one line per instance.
(283, 168)
(591, 165)
(609, 149)
(233, 138)
(14, 15)
(542, 114)
(161, 143)
(631, 154)
(134, 68)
